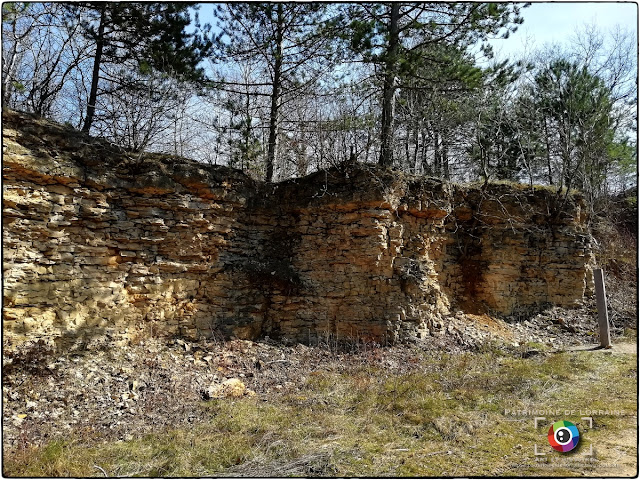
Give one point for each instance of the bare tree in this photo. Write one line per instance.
(290, 40)
(42, 52)
(141, 113)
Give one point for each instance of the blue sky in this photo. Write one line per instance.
(555, 22)
(547, 22)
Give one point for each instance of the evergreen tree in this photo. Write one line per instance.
(435, 103)
(577, 110)
(292, 41)
(498, 149)
(392, 36)
(149, 36)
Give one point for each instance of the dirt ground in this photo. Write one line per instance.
(119, 393)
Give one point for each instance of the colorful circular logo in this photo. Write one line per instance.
(563, 436)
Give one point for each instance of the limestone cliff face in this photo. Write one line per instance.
(100, 245)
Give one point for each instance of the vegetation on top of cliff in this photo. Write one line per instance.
(414, 86)
(59, 150)
(49, 148)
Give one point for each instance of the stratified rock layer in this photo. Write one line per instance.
(105, 246)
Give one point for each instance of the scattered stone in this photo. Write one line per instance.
(231, 388)
(97, 251)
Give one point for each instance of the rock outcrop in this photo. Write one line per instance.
(100, 245)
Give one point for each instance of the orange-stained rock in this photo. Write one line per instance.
(99, 246)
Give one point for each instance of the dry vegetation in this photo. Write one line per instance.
(432, 408)
(615, 231)
(318, 411)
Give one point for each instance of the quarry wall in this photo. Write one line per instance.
(102, 246)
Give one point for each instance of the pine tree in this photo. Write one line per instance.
(577, 109)
(151, 36)
(292, 42)
(393, 35)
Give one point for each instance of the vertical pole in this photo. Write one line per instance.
(603, 316)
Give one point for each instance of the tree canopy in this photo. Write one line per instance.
(282, 89)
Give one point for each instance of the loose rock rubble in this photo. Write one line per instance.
(231, 388)
(102, 246)
(122, 393)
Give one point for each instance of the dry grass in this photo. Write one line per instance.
(443, 417)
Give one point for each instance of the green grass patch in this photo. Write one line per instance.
(444, 418)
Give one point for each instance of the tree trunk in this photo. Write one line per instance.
(95, 76)
(426, 169)
(275, 98)
(389, 89)
(367, 147)
(9, 67)
(548, 148)
(437, 160)
(445, 160)
(407, 151)
(247, 133)
(416, 146)
(10, 61)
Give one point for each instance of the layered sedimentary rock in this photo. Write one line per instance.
(102, 245)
